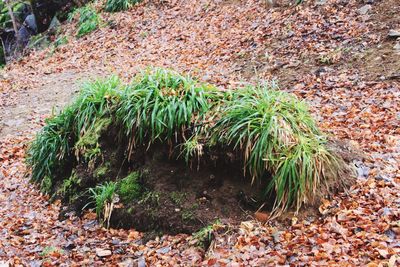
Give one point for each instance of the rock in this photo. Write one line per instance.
(163, 250)
(321, 2)
(364, 9)
(397, 47)
(103, 252)
(141, 262)
(394, 33)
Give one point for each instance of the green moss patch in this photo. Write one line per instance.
(129, 187)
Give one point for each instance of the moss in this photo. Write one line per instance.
(70, 186)
(129, 187)
(151, 198)
(101, 171)
(189, 214)
(46, 185)
(88, 144)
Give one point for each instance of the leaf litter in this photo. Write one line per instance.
(326, 53)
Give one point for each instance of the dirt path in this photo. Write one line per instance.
(24, 108)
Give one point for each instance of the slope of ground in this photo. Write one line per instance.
(326, 52)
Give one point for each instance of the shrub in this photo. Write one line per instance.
(88, 20)
(119, 5)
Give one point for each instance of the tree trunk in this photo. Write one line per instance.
(14, 22)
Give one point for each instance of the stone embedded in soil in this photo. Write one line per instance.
(103, 252)
(394, 33)
(364, 9)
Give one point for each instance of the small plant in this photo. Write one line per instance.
(119, 5)
(69, 185)
(150, 197)
(101, 172)
(129, 187)
(192, 148)
(205, 235)
(88, 20)
(101, 195)
(178, 197)
(51, 148)
(48, 251)
(46, 185)
(61, 40)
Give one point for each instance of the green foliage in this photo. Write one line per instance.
(53, 146)
(50, 250)
(162, 105)
(272, 130)
(150, 197)
(204, 236)
(46, 185)
(88, 144)
(275, 132)
(178, 197)
(101, 171)
(39, 41)
(69, 185)
(88, 20)
(129, 187)
(61, 40)
(101, 195)
(119, 5)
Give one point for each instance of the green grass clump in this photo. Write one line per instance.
(129, 187)
(275, 133)
(88, 20)
(101, 195)
(119, 5)
(54, 145)
(163, 105)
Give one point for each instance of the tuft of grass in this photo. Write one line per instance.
(53, 147)
(163, 105)
(119, 5)
(276, 134)
(129, 187)
(102, 195)
(49, 151)
(88, 20)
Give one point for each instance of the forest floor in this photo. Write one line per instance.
(330, 53)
